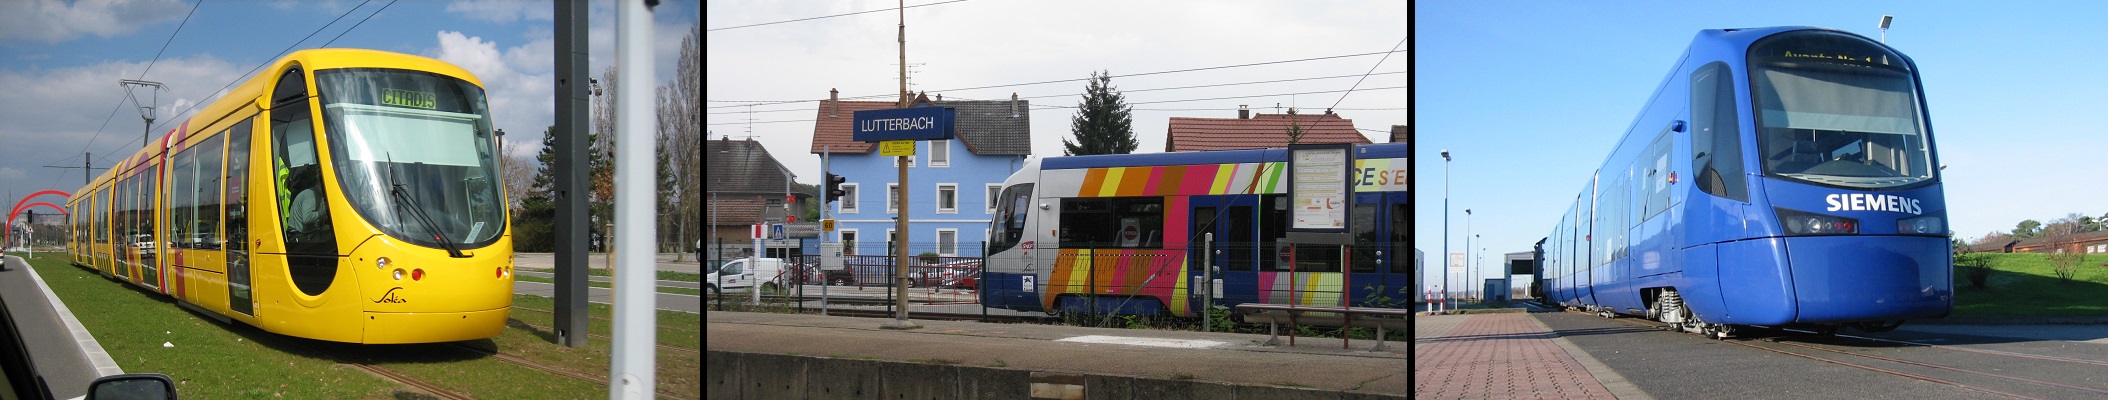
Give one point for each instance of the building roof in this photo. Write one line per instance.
(985, 126)
(742, 166)
(2081, 237)
(1263, 131)
(735, 210)
(1401, 133)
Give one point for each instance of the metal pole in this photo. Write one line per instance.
(825, 171)
(1207, 282)
(570, 191)
(1444, 305)
(635, 327)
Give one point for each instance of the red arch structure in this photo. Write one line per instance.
(24, 204)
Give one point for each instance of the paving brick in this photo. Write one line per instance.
(1495, 356)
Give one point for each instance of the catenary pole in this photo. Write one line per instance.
(635, 328)
(570, 130)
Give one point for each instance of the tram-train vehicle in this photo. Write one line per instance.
(1127, 234)
(1778, 177)
(342, 194)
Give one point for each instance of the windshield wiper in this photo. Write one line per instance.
(397, 192)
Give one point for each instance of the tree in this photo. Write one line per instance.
(534, 228)
(1104, 123)
(1995, 237)
(680, 132)
(1295, 128)
(2028, 229)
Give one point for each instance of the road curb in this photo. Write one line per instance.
(1611, 380)
(90, 349)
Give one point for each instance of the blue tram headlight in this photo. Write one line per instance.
(1806, 223)
(1929, 224)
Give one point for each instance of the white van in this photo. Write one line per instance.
(737, 274)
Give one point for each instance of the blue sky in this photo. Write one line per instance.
(1529, 97)
(60, 62)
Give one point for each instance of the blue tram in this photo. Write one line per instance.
(1779, 176)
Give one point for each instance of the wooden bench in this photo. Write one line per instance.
(1275, 314)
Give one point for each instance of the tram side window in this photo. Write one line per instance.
(208, 187)
(1364, 228)
(1716, 137)
(182, 199)
(1399, 242)
(236, 186)
(1241, 245)
(1655, 168)
(1133, 222)
(1273, 226)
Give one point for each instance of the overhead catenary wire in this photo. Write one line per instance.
(1372, 68)
(831, 16)
(1082, 79)
(142, 76)
(259, 66)
(1123, 91)
(362, 21)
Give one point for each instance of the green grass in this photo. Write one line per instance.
(213, 360)
(663, 275)
(662, 289)
(2026, 285)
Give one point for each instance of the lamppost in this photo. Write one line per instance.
(1445, 228)
(1467, 253)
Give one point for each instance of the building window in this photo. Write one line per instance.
(892, 196)
(848, 199)
(947, 198)
(948, 242)
(940, 153)
(848, 242)
(994, 192)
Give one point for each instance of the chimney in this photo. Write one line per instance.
(1243, 113)
(940, 97)
(1013, 104)
(1328, 111)
(834, 100)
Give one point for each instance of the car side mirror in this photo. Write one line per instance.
(133, 386)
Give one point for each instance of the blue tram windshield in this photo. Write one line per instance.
(1837, 110)
(429, 133)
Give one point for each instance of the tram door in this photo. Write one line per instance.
(237, 189)
(1378, 269)
(1230, 257)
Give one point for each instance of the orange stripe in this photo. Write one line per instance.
(1173, 179)
(1136, 178)
(1091, 181)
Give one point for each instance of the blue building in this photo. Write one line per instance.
(951, 182)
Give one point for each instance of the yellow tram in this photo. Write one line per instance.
(342, 194)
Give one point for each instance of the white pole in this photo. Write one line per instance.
(633, 366)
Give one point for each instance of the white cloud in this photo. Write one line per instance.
(54, 21)
(517, 80)
(49, 116)
(503, 11)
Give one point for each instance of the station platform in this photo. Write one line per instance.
(1213, 365)
(65, 354)
(1506, 356)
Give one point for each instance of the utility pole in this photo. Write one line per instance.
(87, 168)
(635, 332)
(900, 218)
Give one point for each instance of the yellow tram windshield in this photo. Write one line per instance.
(415, 154)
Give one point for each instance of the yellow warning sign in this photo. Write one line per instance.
(893, 148)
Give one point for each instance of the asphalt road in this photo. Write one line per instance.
(51, 347)
(687, 303)
(661, 283)
(1679, 365)
(665, 262)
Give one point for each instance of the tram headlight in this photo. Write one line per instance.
(1798, 222)
(398, 274)
(381, 263)
(1929, 224)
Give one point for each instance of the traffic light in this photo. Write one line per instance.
(834, 187)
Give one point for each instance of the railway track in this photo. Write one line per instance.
(1989, 380)
(934, 316)
(384, 373)
(530, 364)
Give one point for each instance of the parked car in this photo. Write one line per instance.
(768, 272)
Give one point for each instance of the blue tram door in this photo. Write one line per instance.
(1229, 257)
(1380, 267)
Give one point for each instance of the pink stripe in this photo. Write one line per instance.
(1156, 174)
(1198, 179)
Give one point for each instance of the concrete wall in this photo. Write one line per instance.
(730, 375)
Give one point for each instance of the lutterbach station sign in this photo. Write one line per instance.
(913, 123)
(896, 130)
